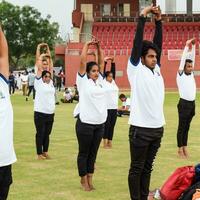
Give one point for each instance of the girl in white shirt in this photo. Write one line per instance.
(7, 152)
(92, 113)
(112, 91)
(44, 104)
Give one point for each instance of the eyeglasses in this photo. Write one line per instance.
(46, 76)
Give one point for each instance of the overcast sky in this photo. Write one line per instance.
(60, 11)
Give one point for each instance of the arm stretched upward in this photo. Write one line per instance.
(4, 63)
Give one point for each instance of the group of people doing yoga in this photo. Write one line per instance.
(96, 111)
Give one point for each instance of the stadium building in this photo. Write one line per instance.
(113, 22)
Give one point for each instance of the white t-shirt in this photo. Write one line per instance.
(92, 105)
(186, 86)
(45, 97)
(7, 153)
(24, 79)
(67, 96)
(112, 92)
(147, 96)
(127, 104)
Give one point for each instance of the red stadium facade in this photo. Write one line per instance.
(113, 23)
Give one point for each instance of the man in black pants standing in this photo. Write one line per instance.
(7, 153)
(146, 115)
(11, 83)
(187, 92)
(31, 79)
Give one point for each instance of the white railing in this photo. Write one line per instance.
(107, 52)
(82, 37)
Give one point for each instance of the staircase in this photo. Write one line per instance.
(86, 33)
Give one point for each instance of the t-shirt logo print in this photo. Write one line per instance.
(2, 96)
(158, 73)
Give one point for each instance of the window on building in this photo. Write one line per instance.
(196, 6)
(170, 7)
(105, 9)
(120, 9)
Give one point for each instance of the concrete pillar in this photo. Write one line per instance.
(189, 7)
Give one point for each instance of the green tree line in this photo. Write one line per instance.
(24, 29)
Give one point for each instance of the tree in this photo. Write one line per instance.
(59, 62)
(24, 29)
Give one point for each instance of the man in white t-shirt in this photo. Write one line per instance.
(147, 99)
(187, 92)
(7, 153)
(24, 81)
(126, 103)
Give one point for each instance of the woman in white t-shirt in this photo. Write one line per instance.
(44, 104)
(112, 91)
(92, 113)
(7, 152)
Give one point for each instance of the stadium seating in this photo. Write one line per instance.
(117, 38)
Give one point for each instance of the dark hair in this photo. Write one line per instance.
(45, 72)
(122, 96)
(107, 73)
(89, 66)
(188, 61)
(32, 70)
(146, 45)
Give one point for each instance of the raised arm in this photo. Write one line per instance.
(113, 69)
(50, 61)
(39, 66)
(184, 55)
(4, 63)
(100, 57)
(137, 42)
(37, 55)
(82, 68)
(104, 68)
(106, 59)
(93, 53)
(193, 53)
(158, 37)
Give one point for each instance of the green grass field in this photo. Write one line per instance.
(57, 179)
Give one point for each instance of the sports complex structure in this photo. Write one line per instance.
(113, 23)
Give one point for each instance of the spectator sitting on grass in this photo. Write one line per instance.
(68, 96)
(76, 94)
(125, 109)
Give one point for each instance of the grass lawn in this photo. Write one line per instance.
(57, 179)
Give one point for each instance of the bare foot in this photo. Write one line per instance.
(46, 155)
(185, 152)
(84, 184)
(89, 178)
(109, 144)
(181, 153)
(41, 157)
(105, 146)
